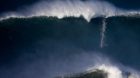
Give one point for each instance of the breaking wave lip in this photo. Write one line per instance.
(87, 9)
(109, 69)
(113, 71)
(72, 8)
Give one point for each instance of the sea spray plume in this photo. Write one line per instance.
(104, 67)
(112, 71)
(69, 8)
(104, 64)
(87, 9)
(133, 76)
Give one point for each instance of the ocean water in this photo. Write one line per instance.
(61, 38)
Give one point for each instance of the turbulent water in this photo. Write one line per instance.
(70, 39)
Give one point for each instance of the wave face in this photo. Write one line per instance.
(88, 9)
(51, 47)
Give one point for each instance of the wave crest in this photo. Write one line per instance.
(113, 71)
(87, 9)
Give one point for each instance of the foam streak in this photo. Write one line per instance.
(103, 32)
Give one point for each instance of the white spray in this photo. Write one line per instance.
(87, 9)
(112, 71)
(103, 32)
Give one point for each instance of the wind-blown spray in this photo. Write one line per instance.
(103, 32)
(87, 9)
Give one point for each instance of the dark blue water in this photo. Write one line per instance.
(45, 47)
(50, 41)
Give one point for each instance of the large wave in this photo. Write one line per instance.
(87, 9)
(43, 32)
(69, 8)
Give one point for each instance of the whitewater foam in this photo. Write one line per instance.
(112, 71)
(133, 76)
(87, 9)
